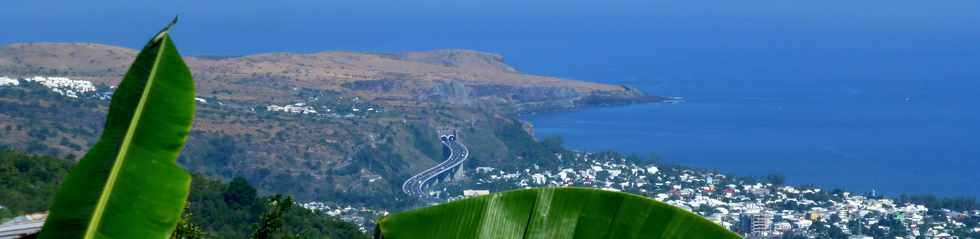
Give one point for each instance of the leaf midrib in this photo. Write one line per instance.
(124, 148)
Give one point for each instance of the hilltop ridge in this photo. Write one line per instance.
(451, 76)
(469, 59)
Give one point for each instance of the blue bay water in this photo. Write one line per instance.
(891, 136)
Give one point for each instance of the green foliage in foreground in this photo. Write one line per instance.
(272, 219)
(551, 213)
(27, 183)
(234, 211)
(187, 230)
(214, 209)
(129, 185)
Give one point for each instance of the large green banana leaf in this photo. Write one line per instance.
(129, 185)
(549, 213)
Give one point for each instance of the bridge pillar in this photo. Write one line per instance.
(458, 173)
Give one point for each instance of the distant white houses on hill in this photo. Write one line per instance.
(5, 81)
(63, 85)
(300, 108)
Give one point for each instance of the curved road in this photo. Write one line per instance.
(417, 185)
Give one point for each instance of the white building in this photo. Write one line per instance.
(652, 170)
(298, 108)
(539, 179)
(474, 193)
(5, 81)
(63, 85)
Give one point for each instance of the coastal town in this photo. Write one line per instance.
(752, 208)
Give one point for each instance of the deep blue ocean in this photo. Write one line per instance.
(893, 137)
(862, 95)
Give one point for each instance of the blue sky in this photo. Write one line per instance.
(543, 36)
(283, 21)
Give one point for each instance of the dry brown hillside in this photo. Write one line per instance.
(452, 76)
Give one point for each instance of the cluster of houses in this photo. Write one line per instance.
(7, 81)
(63, 86)
(297, 108)
(306, 109)
(361, 216)
(753, 209)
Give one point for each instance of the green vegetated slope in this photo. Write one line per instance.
(28, 183)
(344, 159)
(329, 159)
(223, 210)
